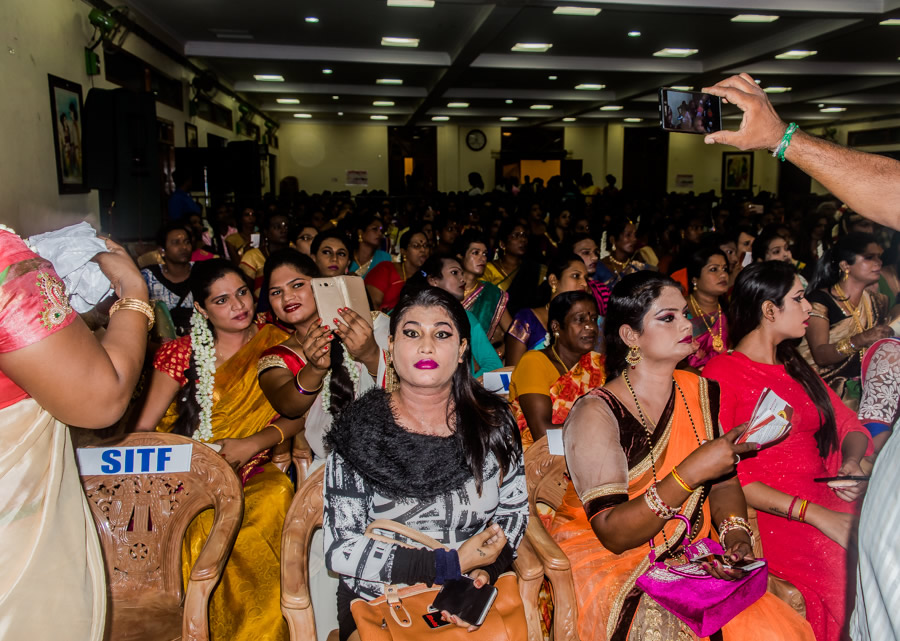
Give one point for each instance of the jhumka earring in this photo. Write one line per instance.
(634, 356)
(389, 373)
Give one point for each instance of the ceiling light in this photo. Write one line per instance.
(682, 87)
(267, 77)
(832, 110)
(378, 117)
(509, 102)
(552, 77)
(890, 22)
(634, 120)
(795, 54)
(311, 19)
(777, 89)
(589, 86)
(302, 115)
(419, 4)
(383, 103)
(458, 105)
(820, 105)
(576, 11)
(634, 34)
(509, 119)
(340, 113)
(288, 101)
(675, 52)
(440, 118)
(335, 97)
(389, 81)
(569, 119)
(327, 72)
(611, 108)
(541, 107)
(532, 47)
(399, 42)
(506, 133)
(753, 17)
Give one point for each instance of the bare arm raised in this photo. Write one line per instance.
(868, 183)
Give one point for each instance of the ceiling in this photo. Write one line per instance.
(464, 55)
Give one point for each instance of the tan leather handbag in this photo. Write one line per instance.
(400, 615)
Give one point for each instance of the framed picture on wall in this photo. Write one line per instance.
(191, 137)
(737, 171)
(66, 108)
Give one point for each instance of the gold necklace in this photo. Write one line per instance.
(470, 289)
(717, 343)
(844, 300)
(619, 264)
(556, 354)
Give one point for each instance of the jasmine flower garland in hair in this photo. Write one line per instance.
(204, 349)
(352, 370)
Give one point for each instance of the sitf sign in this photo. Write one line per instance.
(152, 459)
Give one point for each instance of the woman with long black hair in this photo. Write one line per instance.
(805, 526)
(204, 385)
(440, 454)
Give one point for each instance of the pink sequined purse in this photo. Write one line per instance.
(705, 603)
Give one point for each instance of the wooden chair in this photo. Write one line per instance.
(141, 519)
(305, 516)
(296, 451)
(545, 476)
(781, 588)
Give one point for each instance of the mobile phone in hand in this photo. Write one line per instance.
(462, 598)
(692, 112)
(746, 566)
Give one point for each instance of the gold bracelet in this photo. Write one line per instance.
(279, 431)
(675, 475)
(303, 390)
(845, 347)
(135, 305)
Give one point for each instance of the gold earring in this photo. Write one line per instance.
(634, 356)
(552, 289)
(555, 334)
(846, 274)
(389, 375)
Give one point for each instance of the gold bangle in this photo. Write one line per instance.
(844, 347)
(135, 305)
(279, 431)
(302, 389)
(675, 475)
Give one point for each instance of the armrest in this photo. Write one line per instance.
(214, 555)
(547, 550)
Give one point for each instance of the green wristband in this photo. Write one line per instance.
(785, 141)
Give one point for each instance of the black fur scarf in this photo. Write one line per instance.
(398, 463)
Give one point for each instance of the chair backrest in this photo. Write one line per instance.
(303, 518)
(545, 476)
(142, 518)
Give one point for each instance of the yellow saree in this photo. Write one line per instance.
(246, 605)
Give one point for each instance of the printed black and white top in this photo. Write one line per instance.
(415, 463)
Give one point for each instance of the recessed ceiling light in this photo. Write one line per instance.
(302, 115)
(832, 110)
(682, 87)
(327, 72)
(634, 120)
(890, 22)
(552, 77)
(509, 102)
(541, 107)
(820, 105)
(389, 81)
(268, 77)
(311, 19)
(795, 54)
(569, 119)
(777, 89)
(589, 86)
(383, 103)
(378, 117)
(611, 108)
(675, 52)
(388, 41)
(576, 11)
(288, 101)
(440, 118)
(509, 119)
(634, 34)
(532, 47)
(458, 105)
(753, 17)
(335, 97)
(340, 113)
(419, 4)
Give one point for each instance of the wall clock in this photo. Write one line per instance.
(476, 140)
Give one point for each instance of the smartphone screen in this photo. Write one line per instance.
(462, 598)
(691, 112)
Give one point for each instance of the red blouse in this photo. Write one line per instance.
(385, 278)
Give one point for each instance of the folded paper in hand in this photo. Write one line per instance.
(771, 419)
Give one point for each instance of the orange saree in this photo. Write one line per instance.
(609, 605)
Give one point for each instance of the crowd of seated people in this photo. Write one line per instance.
(645, 328)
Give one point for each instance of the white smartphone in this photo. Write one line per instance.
(746, 566)
(334, 292)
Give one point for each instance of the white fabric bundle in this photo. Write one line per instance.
(71, 249)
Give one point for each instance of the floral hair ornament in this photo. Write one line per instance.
(203, 346)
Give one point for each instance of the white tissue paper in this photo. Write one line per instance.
(71, 249)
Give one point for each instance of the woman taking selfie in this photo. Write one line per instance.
(801, 522)
(204, 386)
(640, 449)
(465, 486)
